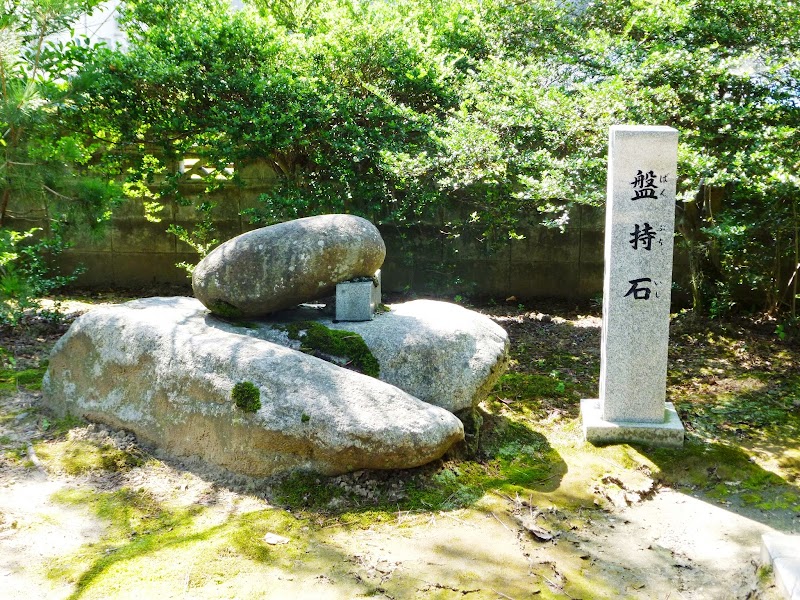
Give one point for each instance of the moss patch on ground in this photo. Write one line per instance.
(76, 457)
(724, 472)
(31, 379)
(139, 526)
(155, 544)
(511, 458)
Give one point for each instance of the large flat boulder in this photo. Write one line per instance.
(282, 265)
(439, 352)
(165, 368)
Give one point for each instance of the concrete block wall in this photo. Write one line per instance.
(137, 253)
(546, 263)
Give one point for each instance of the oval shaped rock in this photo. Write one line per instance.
(283, 265)
(164, 369)
(439, 352)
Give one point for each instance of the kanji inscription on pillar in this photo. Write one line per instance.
(640, 221)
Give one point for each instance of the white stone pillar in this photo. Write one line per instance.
(640, 224)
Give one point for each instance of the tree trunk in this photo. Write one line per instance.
(704, 261)
(4, 206)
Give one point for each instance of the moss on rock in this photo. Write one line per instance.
(246, 396)
(225, 309)
(315, 337)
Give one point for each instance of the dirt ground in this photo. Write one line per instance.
(604, 526)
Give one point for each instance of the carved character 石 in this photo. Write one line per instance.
(639, 293)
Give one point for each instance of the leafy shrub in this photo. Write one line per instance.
(25, 275)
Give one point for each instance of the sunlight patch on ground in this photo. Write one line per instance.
(34, 531)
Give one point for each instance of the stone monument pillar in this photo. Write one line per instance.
(640, 222)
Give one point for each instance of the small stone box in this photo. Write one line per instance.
(357, 300)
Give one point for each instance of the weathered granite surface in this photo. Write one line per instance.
(782, 553)
(439, 352)
(282, 265)
(164, 368)
(668, 433)
(640, 225)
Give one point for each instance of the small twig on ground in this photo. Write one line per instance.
(501, 594)
(502, 495)
(557, 587)
(501, 523)
(401, 513)
(457, 520)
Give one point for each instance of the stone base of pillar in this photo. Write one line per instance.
(599, 431)
(782, 553)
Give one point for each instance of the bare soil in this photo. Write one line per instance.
(608, 523)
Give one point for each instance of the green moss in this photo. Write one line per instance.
(719, 491)
(724, 472)
(247, 537)
(225, 309)
(76, 457)
(511, 457)
(456, 486)
(764, 573)
(31, 379)
(789, 463)
(7, 417)
(315, 337)
(139, 525)
(148, 541)
(16, 455)
(519, 455)
(246, 396)
(306, 489)
(786, 502)
(760, 480)
(521, 386)
(535, 395)
(451, 486)
(751, 498)
(63, 425)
